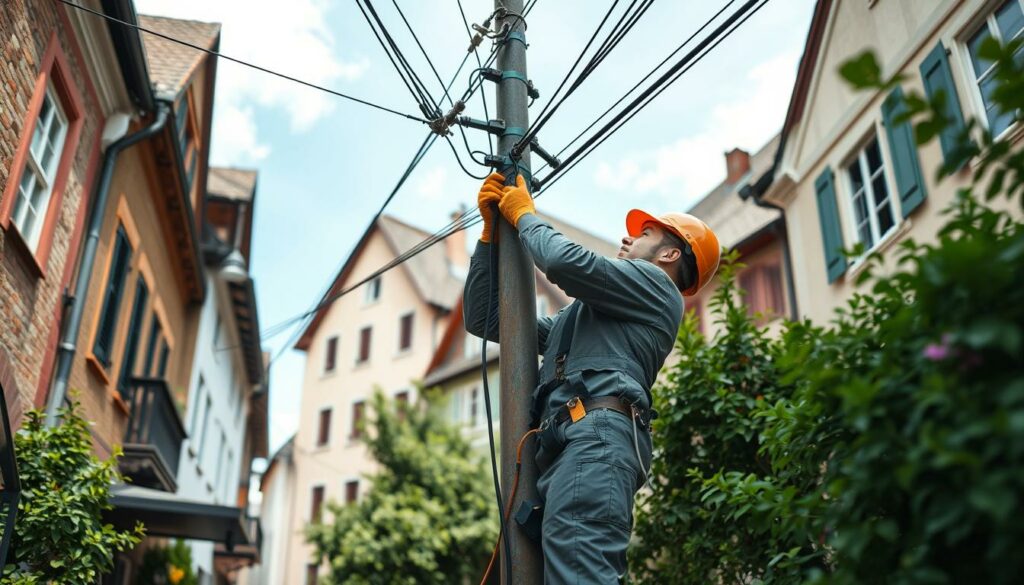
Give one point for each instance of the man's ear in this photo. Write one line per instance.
(670, 254)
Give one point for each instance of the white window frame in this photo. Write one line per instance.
(859, 156)
(989, 22)
(372, 293)
(34, 171)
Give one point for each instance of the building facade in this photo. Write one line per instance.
(379, 337)
(848, 171)
(59, 87)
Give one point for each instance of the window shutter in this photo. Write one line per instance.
(903, 147)
(937, 76)
(831, 231)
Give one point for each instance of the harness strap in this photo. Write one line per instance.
(561, 355)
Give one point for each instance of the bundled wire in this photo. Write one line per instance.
(705, 46)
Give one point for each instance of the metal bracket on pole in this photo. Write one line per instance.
(496, 127)
(549, 158)
(497, 76)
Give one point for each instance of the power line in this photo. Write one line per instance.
(642, 80)
(722, 32)
(241, 62)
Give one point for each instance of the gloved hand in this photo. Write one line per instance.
(516, 201)
(490, 193)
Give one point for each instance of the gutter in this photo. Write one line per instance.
(754, 192)
(69, 338)
(131, 55)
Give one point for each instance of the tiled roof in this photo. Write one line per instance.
(170, 64)
(429, 271)
(237, 184)
(734, 219)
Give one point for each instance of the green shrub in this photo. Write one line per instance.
(59, 535)
(888, 445)
(167, 565)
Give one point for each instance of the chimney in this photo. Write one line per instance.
(455, 247)
(737, 164)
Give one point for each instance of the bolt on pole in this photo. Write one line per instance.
(517, 311)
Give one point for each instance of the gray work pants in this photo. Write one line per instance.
(589, 475)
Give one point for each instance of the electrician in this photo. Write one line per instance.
(601, 356)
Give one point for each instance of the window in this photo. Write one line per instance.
(323, 432)
(311, 573)
(227, 476)
(405, 332)
(474, 407)
(869, 195)
(357, 420)
(401, 402)
(317, 504)
(131, 342)
(119, 263)
(37, 181)
(365, 335)
(764, 290)
(1004, 24)
(221, 468)
(151, 347)
(457, 407)
(351, 491)
(331, 355)
(186, 141)
(372, 290)
(201, 437)
(194, 420)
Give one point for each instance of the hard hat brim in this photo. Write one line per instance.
(636, 219)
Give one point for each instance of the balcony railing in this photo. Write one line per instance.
(152, 441)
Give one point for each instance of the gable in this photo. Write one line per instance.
(823, 105)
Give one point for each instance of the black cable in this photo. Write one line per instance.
(240, 62)
(493, 261)
(409, 78)
(736, 20)
(422, 50)
(529, 7)
(457, 158)
(476, 52)
(642, 80)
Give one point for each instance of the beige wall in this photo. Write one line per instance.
(131, 204)
(344, 459)
(837, 122)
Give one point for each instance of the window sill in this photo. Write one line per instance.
(894, 237)
(119, 402)
(98, 369)
(328, 374)
(361, 365)
(403, 353)
(22, 250)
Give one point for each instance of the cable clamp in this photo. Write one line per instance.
(496, 127)
(441, 126)
(549, 158)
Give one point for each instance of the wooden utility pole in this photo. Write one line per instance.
(517, 306)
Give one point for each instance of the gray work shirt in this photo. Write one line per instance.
(626, 326)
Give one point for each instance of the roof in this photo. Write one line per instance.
(731, 217)
(433, 281)
(230, 183)
(170, 63)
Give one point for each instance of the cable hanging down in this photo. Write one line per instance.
(220, 55)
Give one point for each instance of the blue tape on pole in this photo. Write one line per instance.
(514, 131)
(517, 36)
(511, 74)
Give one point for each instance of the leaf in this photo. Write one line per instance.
(862, 71)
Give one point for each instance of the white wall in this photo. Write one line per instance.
(210, 464)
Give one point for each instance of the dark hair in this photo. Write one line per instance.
(688, 264)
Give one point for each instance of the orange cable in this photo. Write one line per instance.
(511, 498)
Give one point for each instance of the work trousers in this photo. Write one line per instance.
(589, 476)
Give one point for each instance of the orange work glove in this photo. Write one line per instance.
(516, 202)
(490, 193)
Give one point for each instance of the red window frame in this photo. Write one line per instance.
(53, 70)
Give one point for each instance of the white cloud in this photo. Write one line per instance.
(295, 41)
(694, 164)
(431, 186)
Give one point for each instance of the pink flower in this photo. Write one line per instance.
(941, 351)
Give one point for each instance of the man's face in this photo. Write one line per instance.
(644, 246)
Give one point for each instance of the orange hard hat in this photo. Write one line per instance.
(691, 230)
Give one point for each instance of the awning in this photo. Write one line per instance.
(166, 514)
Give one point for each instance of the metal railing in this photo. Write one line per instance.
(153, 422)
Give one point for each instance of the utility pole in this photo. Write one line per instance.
(517, 306)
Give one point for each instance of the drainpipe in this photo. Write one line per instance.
(66, 349)
(754, 192)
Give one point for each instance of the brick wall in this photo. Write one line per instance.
(28, 302)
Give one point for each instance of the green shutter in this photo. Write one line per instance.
(937, 77)
(831, 231)
(903, 148)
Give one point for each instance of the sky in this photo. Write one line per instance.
(326, 164)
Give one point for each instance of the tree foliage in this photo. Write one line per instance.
(429, 516)
(167, 565)
(59, 535)
(884, 447)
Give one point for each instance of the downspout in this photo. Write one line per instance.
(754, 192)
(67, 347)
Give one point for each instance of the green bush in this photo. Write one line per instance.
(429, 516)
(167, 565)
(59, 535)
(884, 447)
